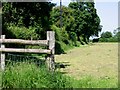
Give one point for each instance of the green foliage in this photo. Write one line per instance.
(59, 47)
(23, 32)
(60, 34)
(106, 34)
(67, 18)
(108, 37)
(67, 21)
(118, 36)
(86, 19)
(63, 42)
(78, 19)
(27, 14)
(25, 20)
(73, 37)
(57, 32)
(111, 39)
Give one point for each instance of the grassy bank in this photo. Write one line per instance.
(30, 76)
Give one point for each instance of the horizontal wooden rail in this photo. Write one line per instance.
(25, 50)
(50, 51)
(29, 42)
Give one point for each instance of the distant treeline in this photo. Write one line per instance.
(72, 27)
(109, 37)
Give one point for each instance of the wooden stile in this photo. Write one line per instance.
(25, 50)
(50, 42)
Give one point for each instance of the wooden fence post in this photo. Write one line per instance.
(50, 57)
(2, 55)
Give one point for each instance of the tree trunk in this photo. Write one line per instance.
(78, 37)
(85, 39)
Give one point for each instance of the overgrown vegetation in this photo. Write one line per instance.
(28, 20)
(25, 75)
(31, 20)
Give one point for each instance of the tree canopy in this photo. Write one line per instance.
(32, 19)
(79, 19)
(27, 14)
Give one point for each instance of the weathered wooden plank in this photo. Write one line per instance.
(25, 50)
(29, 42)
(50, 42)
(51, 39)
(50, 58)
(2, 55)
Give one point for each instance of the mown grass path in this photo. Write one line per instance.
(97, 60)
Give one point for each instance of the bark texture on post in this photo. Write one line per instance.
(50, 51)
(2, 55)
(50, 57)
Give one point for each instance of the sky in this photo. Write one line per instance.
(107, 10)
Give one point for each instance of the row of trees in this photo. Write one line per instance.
(79, 19)
(32, 19)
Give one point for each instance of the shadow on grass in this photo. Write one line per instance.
(62, 65)
(12, 59)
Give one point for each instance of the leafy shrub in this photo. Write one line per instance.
(103, 40)
(60, 35)
(111, 39)
(62, 40)
(73, 37)
(23, 32)
(106, 34)
(59, 47)
(107, 37)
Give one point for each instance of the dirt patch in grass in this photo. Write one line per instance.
(97, 60)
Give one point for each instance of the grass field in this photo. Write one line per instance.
(98, 60)
(90, 66)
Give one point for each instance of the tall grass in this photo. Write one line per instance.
(92, 82)
(31, 76)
